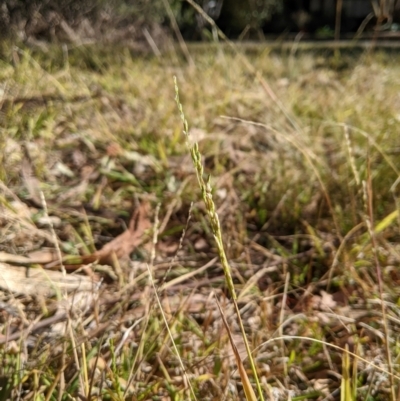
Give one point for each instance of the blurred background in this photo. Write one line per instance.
(150, 20)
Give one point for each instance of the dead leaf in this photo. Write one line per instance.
(114, 149)
(244, 378)
(201, 245)
(34, 281)
(14, 259)
(44, 255)
(325, 302)
(167, 247)
(123, 245)
(31, 183)
(119, 248)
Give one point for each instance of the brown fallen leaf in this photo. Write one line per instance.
(14, 259)
(119, 248)
(123, 245)
(42, 256)
(29, 179)
(37, 281)
(324, 302)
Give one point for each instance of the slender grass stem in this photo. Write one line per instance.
(206, 192)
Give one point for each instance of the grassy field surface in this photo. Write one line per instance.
(109, 269)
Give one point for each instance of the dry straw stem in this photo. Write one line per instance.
(354, 355)
(206, 192)
(267, 88)
(178, 33)
(53, 233)
(371, 141)
(248, 389)
(369, 220)
(171, 335)
(149, 269)
(309, 156)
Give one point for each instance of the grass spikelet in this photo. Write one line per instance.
(206, 192)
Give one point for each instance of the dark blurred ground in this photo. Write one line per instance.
(150, 21)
